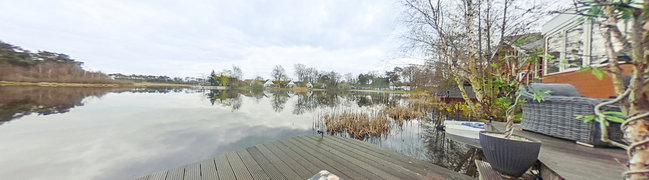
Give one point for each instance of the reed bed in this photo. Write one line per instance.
(424, 100)
(401, 113)
(358, 125)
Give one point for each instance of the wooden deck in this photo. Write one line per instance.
(303, 156)
(486, 172)
(573, 161)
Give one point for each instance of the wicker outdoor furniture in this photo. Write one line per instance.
(556, 115)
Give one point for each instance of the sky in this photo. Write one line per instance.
(193, 37)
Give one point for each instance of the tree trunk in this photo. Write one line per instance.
(634, 101)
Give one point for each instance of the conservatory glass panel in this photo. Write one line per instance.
(575, 38)
(598, 47)
(554, 45)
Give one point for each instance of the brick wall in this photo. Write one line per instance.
(587, 84)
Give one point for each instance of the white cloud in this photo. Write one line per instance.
(190, 38)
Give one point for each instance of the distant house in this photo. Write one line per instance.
(269, 83)
(397, 88)
(453, 94)
(309, 85)
(405, 88)
(290, 84)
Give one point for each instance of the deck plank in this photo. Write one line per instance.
(335, 163)
(339, 171)
(160, 175)
(426, 169)
(297, 168)
(359, 146)
(373, 155)
(176, 174)
(285, 152)
(143, 177)
(358, 166)
(208, 170)
(278, 163)
(303, 156)
(365, 158)
(239, 169)
(485, 171)
(193, 172)
(253, 167)
(265, 164)
(223, 168)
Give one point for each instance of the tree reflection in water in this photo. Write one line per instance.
(415, 138)
(19, 101)
(227, 98)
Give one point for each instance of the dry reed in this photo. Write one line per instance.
(357, 125)
(400, 113)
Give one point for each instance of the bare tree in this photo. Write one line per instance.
(301, 72)
(237, 73)
(408, 74)
(349, 78)
(312, 74)
(467, 36)
(278, 73)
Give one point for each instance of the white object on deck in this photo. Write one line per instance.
(466, 129)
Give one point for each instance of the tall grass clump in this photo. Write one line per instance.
(357, 125)
(423, 101)
(401, 113)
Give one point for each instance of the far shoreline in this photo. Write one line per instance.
(59, 84)
(147, 84)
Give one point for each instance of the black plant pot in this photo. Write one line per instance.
(509, 157)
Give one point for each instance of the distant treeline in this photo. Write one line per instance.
(156, 79)
(426, 76)
(17, 64)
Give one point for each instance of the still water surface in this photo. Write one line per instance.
(103, 133)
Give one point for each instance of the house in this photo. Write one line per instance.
(290, 84)
(269, 83)
(309, 85)
(453, 94)
(579, 42)
(405, 88)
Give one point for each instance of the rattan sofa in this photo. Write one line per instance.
(556, 115)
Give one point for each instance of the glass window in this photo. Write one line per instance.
(575, 38)
(598, 47)
(554, 48)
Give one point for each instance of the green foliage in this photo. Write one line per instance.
(622, 9)
(539, 95)
(597, 71)
(223, 80)
(613, 116)
(257, 86)
(212, 79)
(364, 79)
(280, 83)
(21, 57)
(546, 56)
(503, 102)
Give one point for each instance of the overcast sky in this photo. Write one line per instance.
(190, 38)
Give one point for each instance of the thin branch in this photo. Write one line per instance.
(602, 117)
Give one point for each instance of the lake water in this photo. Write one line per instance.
(104, 133)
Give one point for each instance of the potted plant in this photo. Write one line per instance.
(512, 155)
(507, 153)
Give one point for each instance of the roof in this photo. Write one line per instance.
(454, 92)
